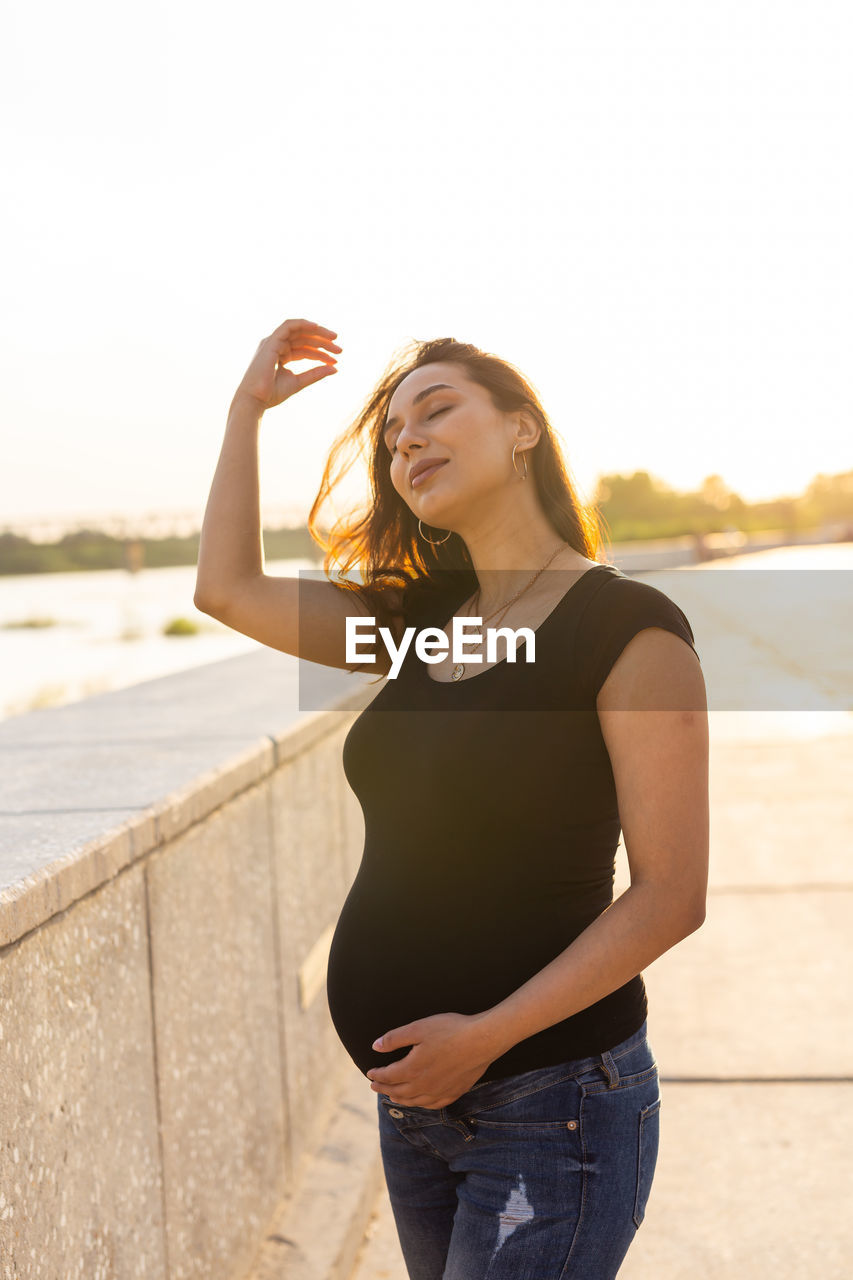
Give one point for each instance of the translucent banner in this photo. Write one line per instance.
(766, 639)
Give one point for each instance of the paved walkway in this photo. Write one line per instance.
(751, 1021)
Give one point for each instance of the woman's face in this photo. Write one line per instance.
(437, 415)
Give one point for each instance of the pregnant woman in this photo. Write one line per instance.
(481, 976)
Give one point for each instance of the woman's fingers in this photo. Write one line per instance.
(299, 326)
(304, 353)
(305, 379)
(305, 340)
(288, 351)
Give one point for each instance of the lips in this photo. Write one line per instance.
(422, 471)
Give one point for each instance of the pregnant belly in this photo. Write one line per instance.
(379, 975)
(392, 963)
(398, 955)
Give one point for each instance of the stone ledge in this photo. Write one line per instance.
(86, 787)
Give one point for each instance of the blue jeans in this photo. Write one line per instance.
(538, 1176)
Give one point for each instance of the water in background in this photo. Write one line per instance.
(108, 632)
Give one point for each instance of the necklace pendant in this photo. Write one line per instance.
(458, 671)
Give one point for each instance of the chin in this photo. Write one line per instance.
(436, 519)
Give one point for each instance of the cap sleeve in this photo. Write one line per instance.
(616, 613)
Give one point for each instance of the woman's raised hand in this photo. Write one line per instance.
(268, 381)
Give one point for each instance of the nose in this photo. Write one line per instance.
(409, 438)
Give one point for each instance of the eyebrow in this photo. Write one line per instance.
(422, 395)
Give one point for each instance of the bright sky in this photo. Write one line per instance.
(645, 207)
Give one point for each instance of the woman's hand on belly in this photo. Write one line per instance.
(450, 1051)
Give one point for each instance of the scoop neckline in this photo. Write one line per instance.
(496, 666)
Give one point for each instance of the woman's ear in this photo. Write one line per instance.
(528, 430)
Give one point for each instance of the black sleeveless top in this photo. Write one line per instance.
(491, 827)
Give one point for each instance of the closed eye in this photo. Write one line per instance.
(429, 419)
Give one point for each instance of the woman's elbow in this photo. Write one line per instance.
(695, 919)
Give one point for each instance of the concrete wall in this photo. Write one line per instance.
(173, 858)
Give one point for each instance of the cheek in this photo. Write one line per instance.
(397, 476)
(482, 469)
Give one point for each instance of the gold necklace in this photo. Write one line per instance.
(459, 670)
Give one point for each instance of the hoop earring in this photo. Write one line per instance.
(432, 541)
(524, 460)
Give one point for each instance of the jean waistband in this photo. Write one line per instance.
(491, 1090)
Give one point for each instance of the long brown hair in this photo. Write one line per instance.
(381, 541)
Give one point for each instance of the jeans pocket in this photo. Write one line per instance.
(647, 1154)
(549, 1104)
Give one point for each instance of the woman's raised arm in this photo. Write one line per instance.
(302, 617)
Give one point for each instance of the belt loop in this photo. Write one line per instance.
(611, 1069)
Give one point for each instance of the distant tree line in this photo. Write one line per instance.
(94, 549)
(639, 506)
(633, 507)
